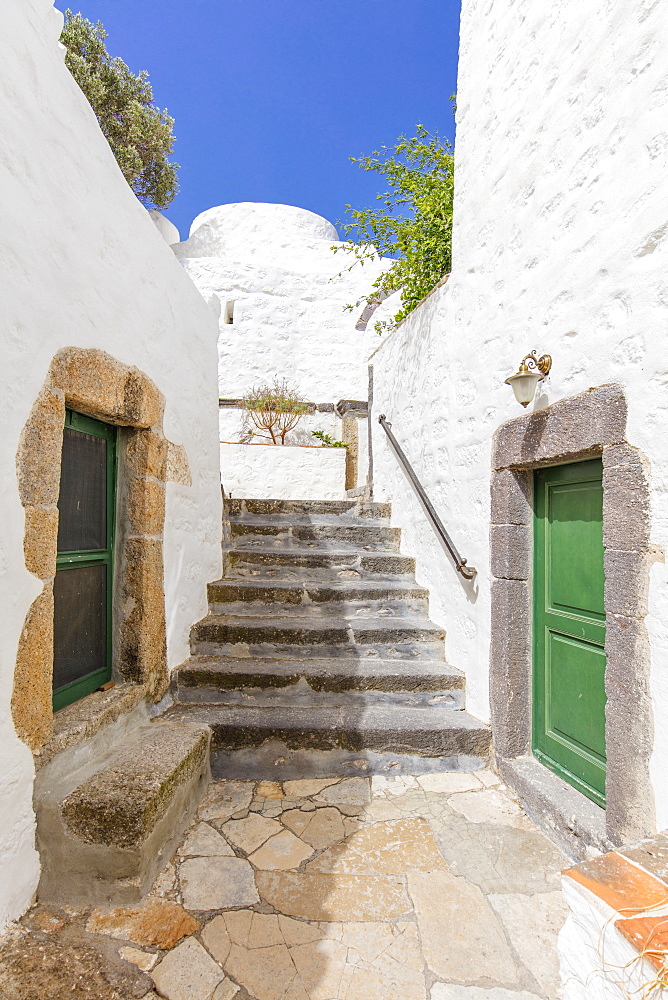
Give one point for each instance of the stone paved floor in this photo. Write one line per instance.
(429, 888)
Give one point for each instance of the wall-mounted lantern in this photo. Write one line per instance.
(524, 381)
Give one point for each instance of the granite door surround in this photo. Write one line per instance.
(92, 382)
(587, 425)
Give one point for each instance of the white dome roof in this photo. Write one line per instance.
(249, 227)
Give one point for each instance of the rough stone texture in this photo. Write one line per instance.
(577, 825)
(40, 541)
(157, 922)
(449, 782)
(144, 960)
(347, 897)
(448, 991)
(40, 448)
(511, 493)
(178, 468)
(31, 697)
(568, 430)
(627, 582)
(320, 828)
(145, 506)
(510, 547)
(120, 804)
(81, 720)
(225, 799)
(250, 833)
(407, 845)
(281, 853)
(146, 452)
(204, 842)
(532, 924)
(215, 883)
(64, 966)
(271, 954)
(187, 973)
(630, 809)
(142, 654)
(626, 501)
(510, 667)
(96, 383)
(307, 786)
(489, 806)
(350, 791)
(456, 922)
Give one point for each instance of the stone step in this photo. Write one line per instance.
(313, 520)
(324, 681)
(382, 563)
(228, 630)
(288, 592)
(105, 829)
(352, 611)
(356, 508)
(245, 533)
(431, 731)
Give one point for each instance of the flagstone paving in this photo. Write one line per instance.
(434, 887)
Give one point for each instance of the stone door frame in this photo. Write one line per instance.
(94, 383)
(589, 425)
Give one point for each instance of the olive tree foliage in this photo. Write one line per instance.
(413, 223)
(139, 133)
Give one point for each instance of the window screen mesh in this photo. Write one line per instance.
(83, 493)
(80, 597)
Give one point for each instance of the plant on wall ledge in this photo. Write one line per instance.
(413, 225)
(327, 440)
(272, 410)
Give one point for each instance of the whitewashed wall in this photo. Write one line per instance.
(560, 244)
(266, 472)
(289, 290)
(84, 265)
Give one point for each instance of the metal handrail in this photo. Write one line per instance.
(468, 572)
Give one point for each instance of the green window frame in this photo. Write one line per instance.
(73, 559)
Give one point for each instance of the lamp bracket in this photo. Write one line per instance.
(541, 364)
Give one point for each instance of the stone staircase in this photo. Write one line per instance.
(318, 656)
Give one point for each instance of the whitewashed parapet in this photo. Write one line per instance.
(282, 472)
(614, 944)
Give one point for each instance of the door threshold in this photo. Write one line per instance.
(570, 819)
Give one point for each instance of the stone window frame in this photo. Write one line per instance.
(93, 382)
(588, 425)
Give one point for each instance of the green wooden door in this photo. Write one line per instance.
(569, 625)
(84, 565)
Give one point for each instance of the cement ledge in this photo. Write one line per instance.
(571, 820)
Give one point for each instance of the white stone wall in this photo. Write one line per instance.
(560, 244)
(84, 265)
(289, 290)
(277, 472)
(596, 961)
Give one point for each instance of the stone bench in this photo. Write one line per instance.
(110, 815)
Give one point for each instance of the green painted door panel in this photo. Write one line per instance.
(569, 625)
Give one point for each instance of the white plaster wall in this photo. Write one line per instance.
(596, 961)
(83, 265)
(289, 290)
(283, 472)
(560, 244)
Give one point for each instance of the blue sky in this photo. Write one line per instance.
(271, 97)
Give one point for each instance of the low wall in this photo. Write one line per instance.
(282, 472)
(614, 943)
